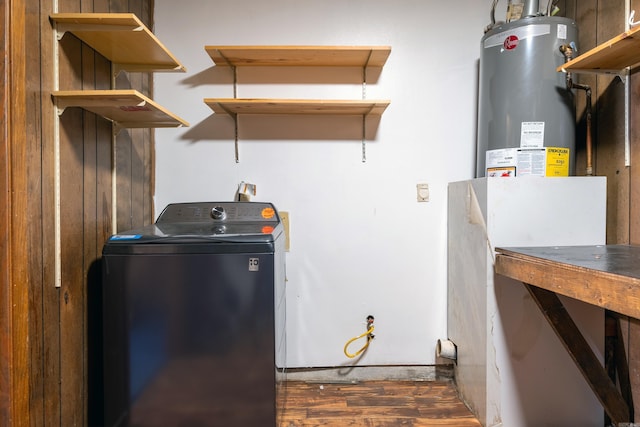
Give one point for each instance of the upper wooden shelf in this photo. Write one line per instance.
(611, 57)
(121, 38)
(319, 56)
(296, 106)
(126, 108)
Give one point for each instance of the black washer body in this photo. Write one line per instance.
(189, 319)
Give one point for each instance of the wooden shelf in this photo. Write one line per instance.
(297, 56)
(126, 108)
(611, 57)
(235, 106)
(121, 38)
(318, 56)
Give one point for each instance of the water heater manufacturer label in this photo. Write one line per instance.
(520, 33)
(511, 42)
(254, 264)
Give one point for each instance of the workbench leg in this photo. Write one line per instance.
(579, 350)
(622, 368)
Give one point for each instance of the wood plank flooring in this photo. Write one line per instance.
(372, 404)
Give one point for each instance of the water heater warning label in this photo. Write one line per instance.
(545, 161)
(562, 31)
(557, 161)
(532, 135)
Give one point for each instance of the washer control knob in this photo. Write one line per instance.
(218, 213)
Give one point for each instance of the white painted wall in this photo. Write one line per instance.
(360, 242)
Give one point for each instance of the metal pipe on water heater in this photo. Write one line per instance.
(531, 8)
(568, 52)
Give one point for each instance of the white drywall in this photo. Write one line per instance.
(360, 242)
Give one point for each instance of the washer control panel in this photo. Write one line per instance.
(228, 212)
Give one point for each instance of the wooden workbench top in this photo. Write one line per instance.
(607, 276)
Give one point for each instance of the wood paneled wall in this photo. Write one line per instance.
(598, 21)
(15, 372)
(45, 331)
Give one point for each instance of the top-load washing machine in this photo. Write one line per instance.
(193, 317)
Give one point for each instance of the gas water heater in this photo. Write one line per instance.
(526, 114)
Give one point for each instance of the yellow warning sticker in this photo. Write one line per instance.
(557, 161)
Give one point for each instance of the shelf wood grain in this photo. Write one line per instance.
(234, 106)
(122, 38)
(317, 56)
(611, 57)
(126, 108)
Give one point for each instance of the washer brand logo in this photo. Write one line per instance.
(254, 264)
(511, 42)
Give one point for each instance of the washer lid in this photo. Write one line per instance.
(209, 222)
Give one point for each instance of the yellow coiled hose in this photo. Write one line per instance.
(368, 334)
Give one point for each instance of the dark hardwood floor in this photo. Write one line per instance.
(372, 404)
(213, 397)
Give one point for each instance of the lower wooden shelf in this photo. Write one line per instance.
(127, 108)
(234, 106)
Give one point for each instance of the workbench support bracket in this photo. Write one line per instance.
(579, 350)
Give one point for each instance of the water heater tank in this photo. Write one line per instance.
(526, 115)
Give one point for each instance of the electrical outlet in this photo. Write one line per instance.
(423, 192)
